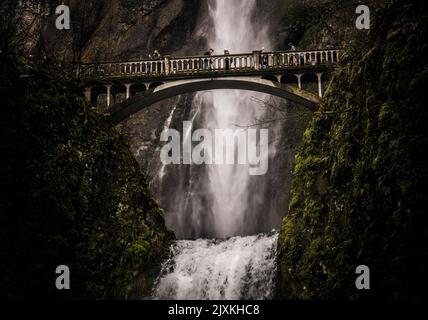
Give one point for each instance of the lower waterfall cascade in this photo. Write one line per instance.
(232, 269)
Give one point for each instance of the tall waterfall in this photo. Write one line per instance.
(218, 201)
(222, 201)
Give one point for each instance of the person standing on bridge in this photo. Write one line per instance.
(227, 61)
(208, 62)
(293, 60)
(302, 59)
(156, 55)
(265, 61)
(260, 57)
(100, 71)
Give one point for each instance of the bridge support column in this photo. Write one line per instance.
(128, 90)
(319, 76)
(88, 91)
(299, 80)
(108, 95)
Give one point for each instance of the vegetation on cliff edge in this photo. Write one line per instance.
(71, 193)
(361, 175)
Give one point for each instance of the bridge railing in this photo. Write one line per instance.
(111, 69)
(208, 64)
(199, 64)
(299, 58)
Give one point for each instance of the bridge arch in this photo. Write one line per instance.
(309, 82)
(289, 78)
(122, 111)
(137, 89)
(118, 93)
(155, 84)
(270, 77)
(95, 93)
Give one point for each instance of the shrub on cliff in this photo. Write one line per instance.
(361, 176)
(70, 193)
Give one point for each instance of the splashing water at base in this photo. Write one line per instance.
(236, 268)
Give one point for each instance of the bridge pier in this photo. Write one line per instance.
(128, 90)
(319, 76)
(108, 95)
(299, 80)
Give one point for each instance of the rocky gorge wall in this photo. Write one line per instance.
(359, 192)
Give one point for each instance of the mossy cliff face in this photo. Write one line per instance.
(361, 179)
(70, 193)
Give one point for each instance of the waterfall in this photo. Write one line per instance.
(237, 268)
(219, 201)
(230, 185)
(165, 128)
(222, 201)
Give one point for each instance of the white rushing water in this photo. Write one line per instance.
(166, 126)
(237, 268)
(229, 185)
(221, 201)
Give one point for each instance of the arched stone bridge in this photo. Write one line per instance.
(130, 86)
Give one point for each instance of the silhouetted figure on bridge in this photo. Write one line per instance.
(227, 61)
(293, 60)
(209, 52)
(100, 71)
(156, 55)
(265, 61)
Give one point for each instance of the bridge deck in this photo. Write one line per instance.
(150, 78)
(247, 64)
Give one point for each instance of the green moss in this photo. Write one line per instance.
(71, 193)
(361, 175)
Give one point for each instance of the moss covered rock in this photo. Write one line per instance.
(361, 179)
(70, 193)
